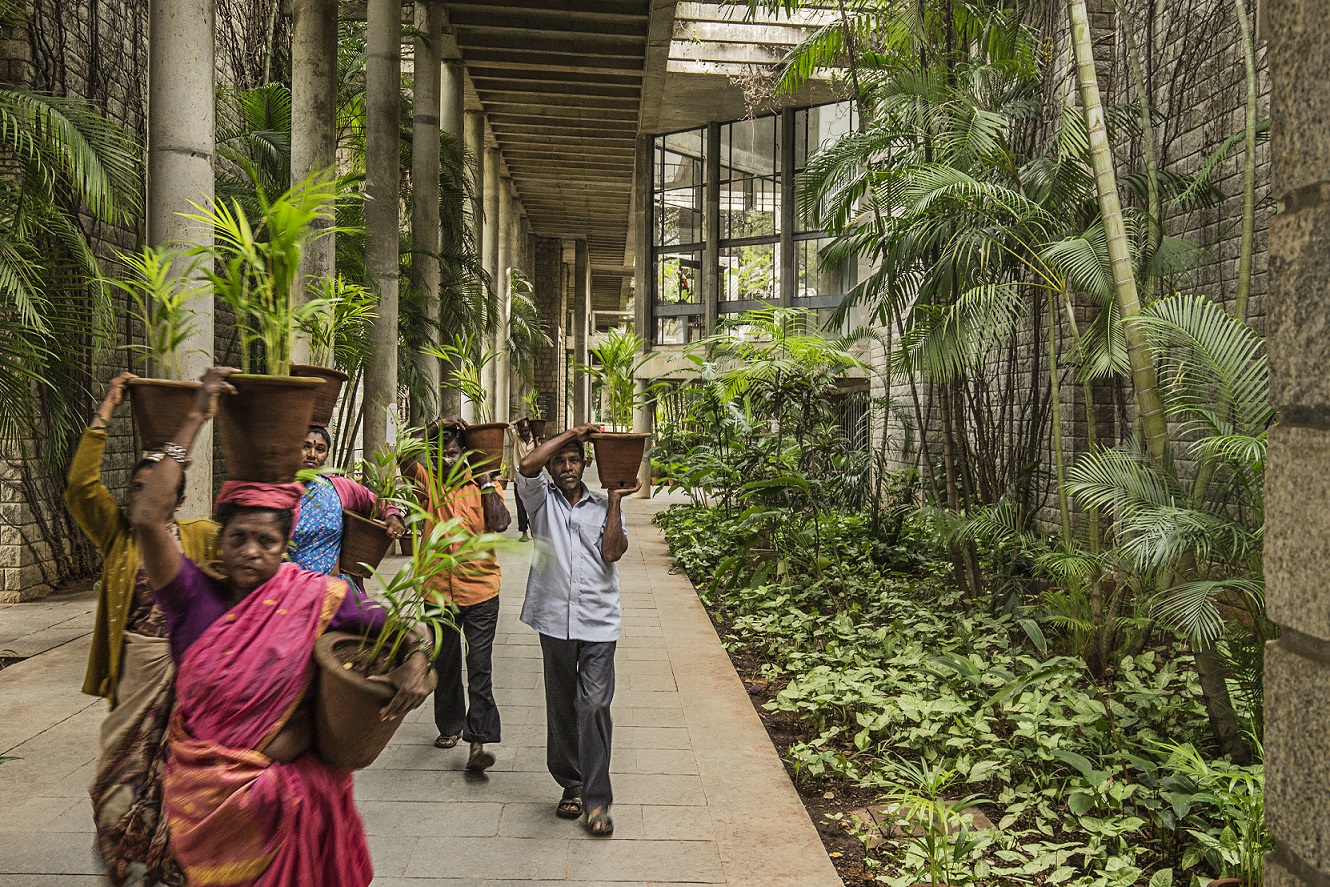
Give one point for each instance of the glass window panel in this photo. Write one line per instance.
(679, 214)
(677, 278)
(749, 207)
(679, 176)
(749, 272)
(816, 276)
(814, 129)
(679, 330)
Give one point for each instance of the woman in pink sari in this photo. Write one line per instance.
(246, 802)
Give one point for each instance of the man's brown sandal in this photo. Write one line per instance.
(480, 761)
(569, 808)
(598, 822)
(446, 741)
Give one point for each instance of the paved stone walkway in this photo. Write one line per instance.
(701, 797)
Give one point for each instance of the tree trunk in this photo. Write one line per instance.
(1154, 205)
(1055, 389)
(383, 87)
(1149, 405)
(1248, 167)
(313, 128)
(426, 240)
(1219, 708)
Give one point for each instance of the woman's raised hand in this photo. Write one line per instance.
(214, 386)
(115, 396)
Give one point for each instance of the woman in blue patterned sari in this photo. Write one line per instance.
(317, 537)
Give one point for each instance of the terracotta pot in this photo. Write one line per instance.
(364, 541)
(406, 545)
(326, 403)
(348, 734)
(487, 440)
(159, 407)
(538, 429)
(619, 456)
(262, 427)
(1226, 882)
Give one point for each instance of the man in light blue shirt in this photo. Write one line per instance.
(572, 600)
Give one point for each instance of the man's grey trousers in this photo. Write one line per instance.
(579, 685)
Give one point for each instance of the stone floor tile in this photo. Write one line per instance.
(656, 861)
(427, 819)
(670, 823)
(48, 853)
(490, 858)
(651, 737)
(659, 788)
(666, 760)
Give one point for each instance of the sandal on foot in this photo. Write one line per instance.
(598, 822)
(446, 741)
(480, 761)
(569, 808)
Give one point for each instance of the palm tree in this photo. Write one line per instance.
(62, 160)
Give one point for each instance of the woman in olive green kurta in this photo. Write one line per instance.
(129, 664)
(107, 525)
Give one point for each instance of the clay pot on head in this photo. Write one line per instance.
(364, 541)
(619, 456)
(326, 403)
(159, 407)
(538, 429)
(262, 427)
(487, 441)
(348, 734)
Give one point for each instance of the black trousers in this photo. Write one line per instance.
(522, 522)
(579, 685)
(480, 721)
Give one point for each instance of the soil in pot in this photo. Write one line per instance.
(326, 402)
(487, 441)
(364, 541)
(348, 734)
(538, 429)
(159, 407)
(262, 427)
(619, 457)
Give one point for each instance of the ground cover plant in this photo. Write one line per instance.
(935, 706)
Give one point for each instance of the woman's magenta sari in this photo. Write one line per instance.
(237, 817)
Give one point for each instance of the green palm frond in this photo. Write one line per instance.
(1212, 367)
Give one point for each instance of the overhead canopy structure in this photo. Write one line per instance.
(561, 83)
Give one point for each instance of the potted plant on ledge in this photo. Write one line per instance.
(338, 304)
(484, 439)
(619, 454)
(161, 297)
(365, 541)
(261, 427)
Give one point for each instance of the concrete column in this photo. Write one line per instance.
(181, 140)
(451, 121)
(313, 125)
(1297, 666)
(490, 257)
(425, 230)
(474, 127)
(383, 87)
(787, 282)
(710, 275)
(474, 132)
(581, 298)
(644, 420)
(643, 270)
(503, 363)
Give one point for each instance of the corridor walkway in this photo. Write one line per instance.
(701, 796)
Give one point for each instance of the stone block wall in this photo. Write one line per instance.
(1297, 666)
(547, 267)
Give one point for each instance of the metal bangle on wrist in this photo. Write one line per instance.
(178, 453)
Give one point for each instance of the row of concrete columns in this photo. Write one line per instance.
(181, 146)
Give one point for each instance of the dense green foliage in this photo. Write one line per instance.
(899, 682)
